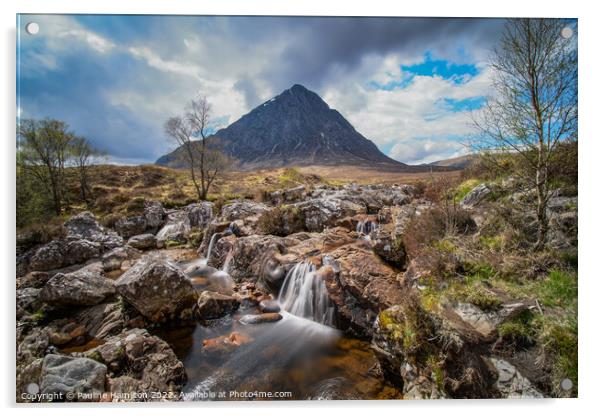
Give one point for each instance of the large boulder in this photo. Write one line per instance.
(85, 239)
(212, 305)
(158, 289)
(431, 354)
(143, 241)
(175, 229)
(115, 259)
(48, 257)
(73, 379)
(511, 383)
(130, 226)
(28, 300)
(154, 215)
(84, 226)
(287, 196)
(83, 287)
(200, 214)
(475, 196)
(323, 212)
(140, 363)
(241, 209)
(360, 284)
(150, 220)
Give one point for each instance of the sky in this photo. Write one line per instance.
(408, 84)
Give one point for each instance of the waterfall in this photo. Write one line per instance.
(305, 295)
(211, 242)
(226, 266)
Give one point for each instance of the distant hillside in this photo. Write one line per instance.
(295, 128)
(459, 162)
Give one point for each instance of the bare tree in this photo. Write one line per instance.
(44, 149)
(534, 107)
(190, 133)
(83, 155)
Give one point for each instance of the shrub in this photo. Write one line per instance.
(423, 230)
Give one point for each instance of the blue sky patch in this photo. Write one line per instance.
(459, 73)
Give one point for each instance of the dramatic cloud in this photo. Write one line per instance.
(407, 84)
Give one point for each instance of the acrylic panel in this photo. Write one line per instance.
(295, 208)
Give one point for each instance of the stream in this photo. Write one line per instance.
(300, 357)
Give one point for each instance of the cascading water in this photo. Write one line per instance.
(303, 294)
(226, 265)
(210, 248)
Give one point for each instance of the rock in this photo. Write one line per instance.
(76, 379)
(406, 335)
(33, 345)
(143, 241)
(85, 227)
(103, 320)
(142, 357)
(28, 300)
(269, 306)
(28, 375)
(475, 196)
(122, 387)
(35, 280)
(486, 323)
(337, 388)
(241, 209)
(251, 254)
(511, 383)
(200, 214)
(323, 212)
(78, 251)
(360, 285)
(260, 319)
(226, 343)
(175, 229)
(114, 259)
(287, 196)
(158, 289)
(212, 305)
(130, 226)
(47, 257)
(85, 239)
(562, 204)
(154, 216)
(82, 287)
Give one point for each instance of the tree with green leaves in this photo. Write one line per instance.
(44, 147)
(534, 106)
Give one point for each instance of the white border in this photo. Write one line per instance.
(589, 198)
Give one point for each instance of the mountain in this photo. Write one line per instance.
(295, 128)
(459, 162)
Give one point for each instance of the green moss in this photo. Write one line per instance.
(172, 243)
(96, 356)
(38, 316)
(464, 188)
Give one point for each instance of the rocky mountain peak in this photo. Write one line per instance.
(295, 128)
